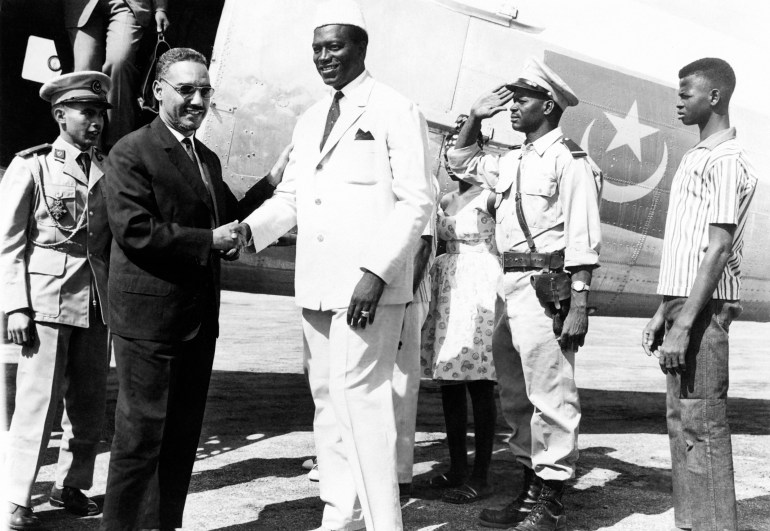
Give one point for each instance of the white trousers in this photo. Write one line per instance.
(538, 394)
(69, 362)
(406, 388)
(350, 373)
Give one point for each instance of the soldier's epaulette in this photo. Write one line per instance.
(574, 148)
(41, 149)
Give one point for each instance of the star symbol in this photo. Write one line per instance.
(629, 132)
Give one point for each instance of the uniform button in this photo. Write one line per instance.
(320, 237)
(90, 212)
(317, 201)
(90, 233)
(91, 192)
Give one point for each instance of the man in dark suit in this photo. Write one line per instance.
(173, 218)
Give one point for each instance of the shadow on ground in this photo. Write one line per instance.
(243, 405)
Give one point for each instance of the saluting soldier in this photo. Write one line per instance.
(54, 255)
(548, 231)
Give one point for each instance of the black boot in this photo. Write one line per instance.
(548, 512)
(519, 508)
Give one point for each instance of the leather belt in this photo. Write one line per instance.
(519, 261)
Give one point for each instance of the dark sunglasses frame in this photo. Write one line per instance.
(188, 91)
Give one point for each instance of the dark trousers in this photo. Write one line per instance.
(161, 400)
(699, 435)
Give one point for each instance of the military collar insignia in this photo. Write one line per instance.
(59, 154)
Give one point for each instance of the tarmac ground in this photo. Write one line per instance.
(258, 430)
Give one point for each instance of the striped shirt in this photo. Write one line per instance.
(714, 184)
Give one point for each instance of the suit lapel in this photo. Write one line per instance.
(71, 166)
(178, 157)
(216, 184)
(343, 124)
(360, 99)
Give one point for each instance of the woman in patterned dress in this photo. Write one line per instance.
(457, 336)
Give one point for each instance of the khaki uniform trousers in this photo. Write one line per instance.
(64, 361)
(350, 373)
(406, 387)
(538, 394)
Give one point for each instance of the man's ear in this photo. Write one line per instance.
(548, 106)
(58, 115)
(715, 96)
(157, 89)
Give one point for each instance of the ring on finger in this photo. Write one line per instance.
(364, 314)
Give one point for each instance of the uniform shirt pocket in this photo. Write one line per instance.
(60, 206)
(539, 200)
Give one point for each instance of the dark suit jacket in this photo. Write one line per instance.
(164, 276)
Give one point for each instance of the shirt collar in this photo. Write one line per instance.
(72, 151)
(717, 138)
(179, 136)
(546, 141)
(356, 91)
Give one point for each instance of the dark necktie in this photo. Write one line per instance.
(331, 118)
(188, 147)
(84, 161)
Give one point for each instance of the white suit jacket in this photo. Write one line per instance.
(361, 202)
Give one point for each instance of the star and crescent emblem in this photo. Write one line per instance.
(629, 131)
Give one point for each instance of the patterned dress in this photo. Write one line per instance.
(457, 334)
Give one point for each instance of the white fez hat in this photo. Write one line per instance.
(344, 12)
(538, 77)
(85, 86)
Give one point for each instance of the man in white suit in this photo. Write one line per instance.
(357, 187)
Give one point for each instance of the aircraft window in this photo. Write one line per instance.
(502, 12)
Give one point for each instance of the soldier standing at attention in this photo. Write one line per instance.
(54, 251)
(548, 233)
(700, 280)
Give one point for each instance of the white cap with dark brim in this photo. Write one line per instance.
(78, 87)
(538, 77)
(344, 12)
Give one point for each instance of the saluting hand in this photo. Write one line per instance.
(491, 103)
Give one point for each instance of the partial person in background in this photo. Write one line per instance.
(406, 374)
(700, 280)
(457, 336)
(105, 36)
(54, 255)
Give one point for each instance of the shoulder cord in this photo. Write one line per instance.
(80, 225)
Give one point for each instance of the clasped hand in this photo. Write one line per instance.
(231, 238)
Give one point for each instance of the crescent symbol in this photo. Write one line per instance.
(626, 194)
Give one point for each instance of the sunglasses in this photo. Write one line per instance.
(188, 91)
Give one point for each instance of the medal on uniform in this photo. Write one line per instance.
(57, 209)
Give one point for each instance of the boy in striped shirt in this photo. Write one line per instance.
(700, 282)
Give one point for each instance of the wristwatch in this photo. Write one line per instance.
(579, 286)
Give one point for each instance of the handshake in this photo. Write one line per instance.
(229, 239)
